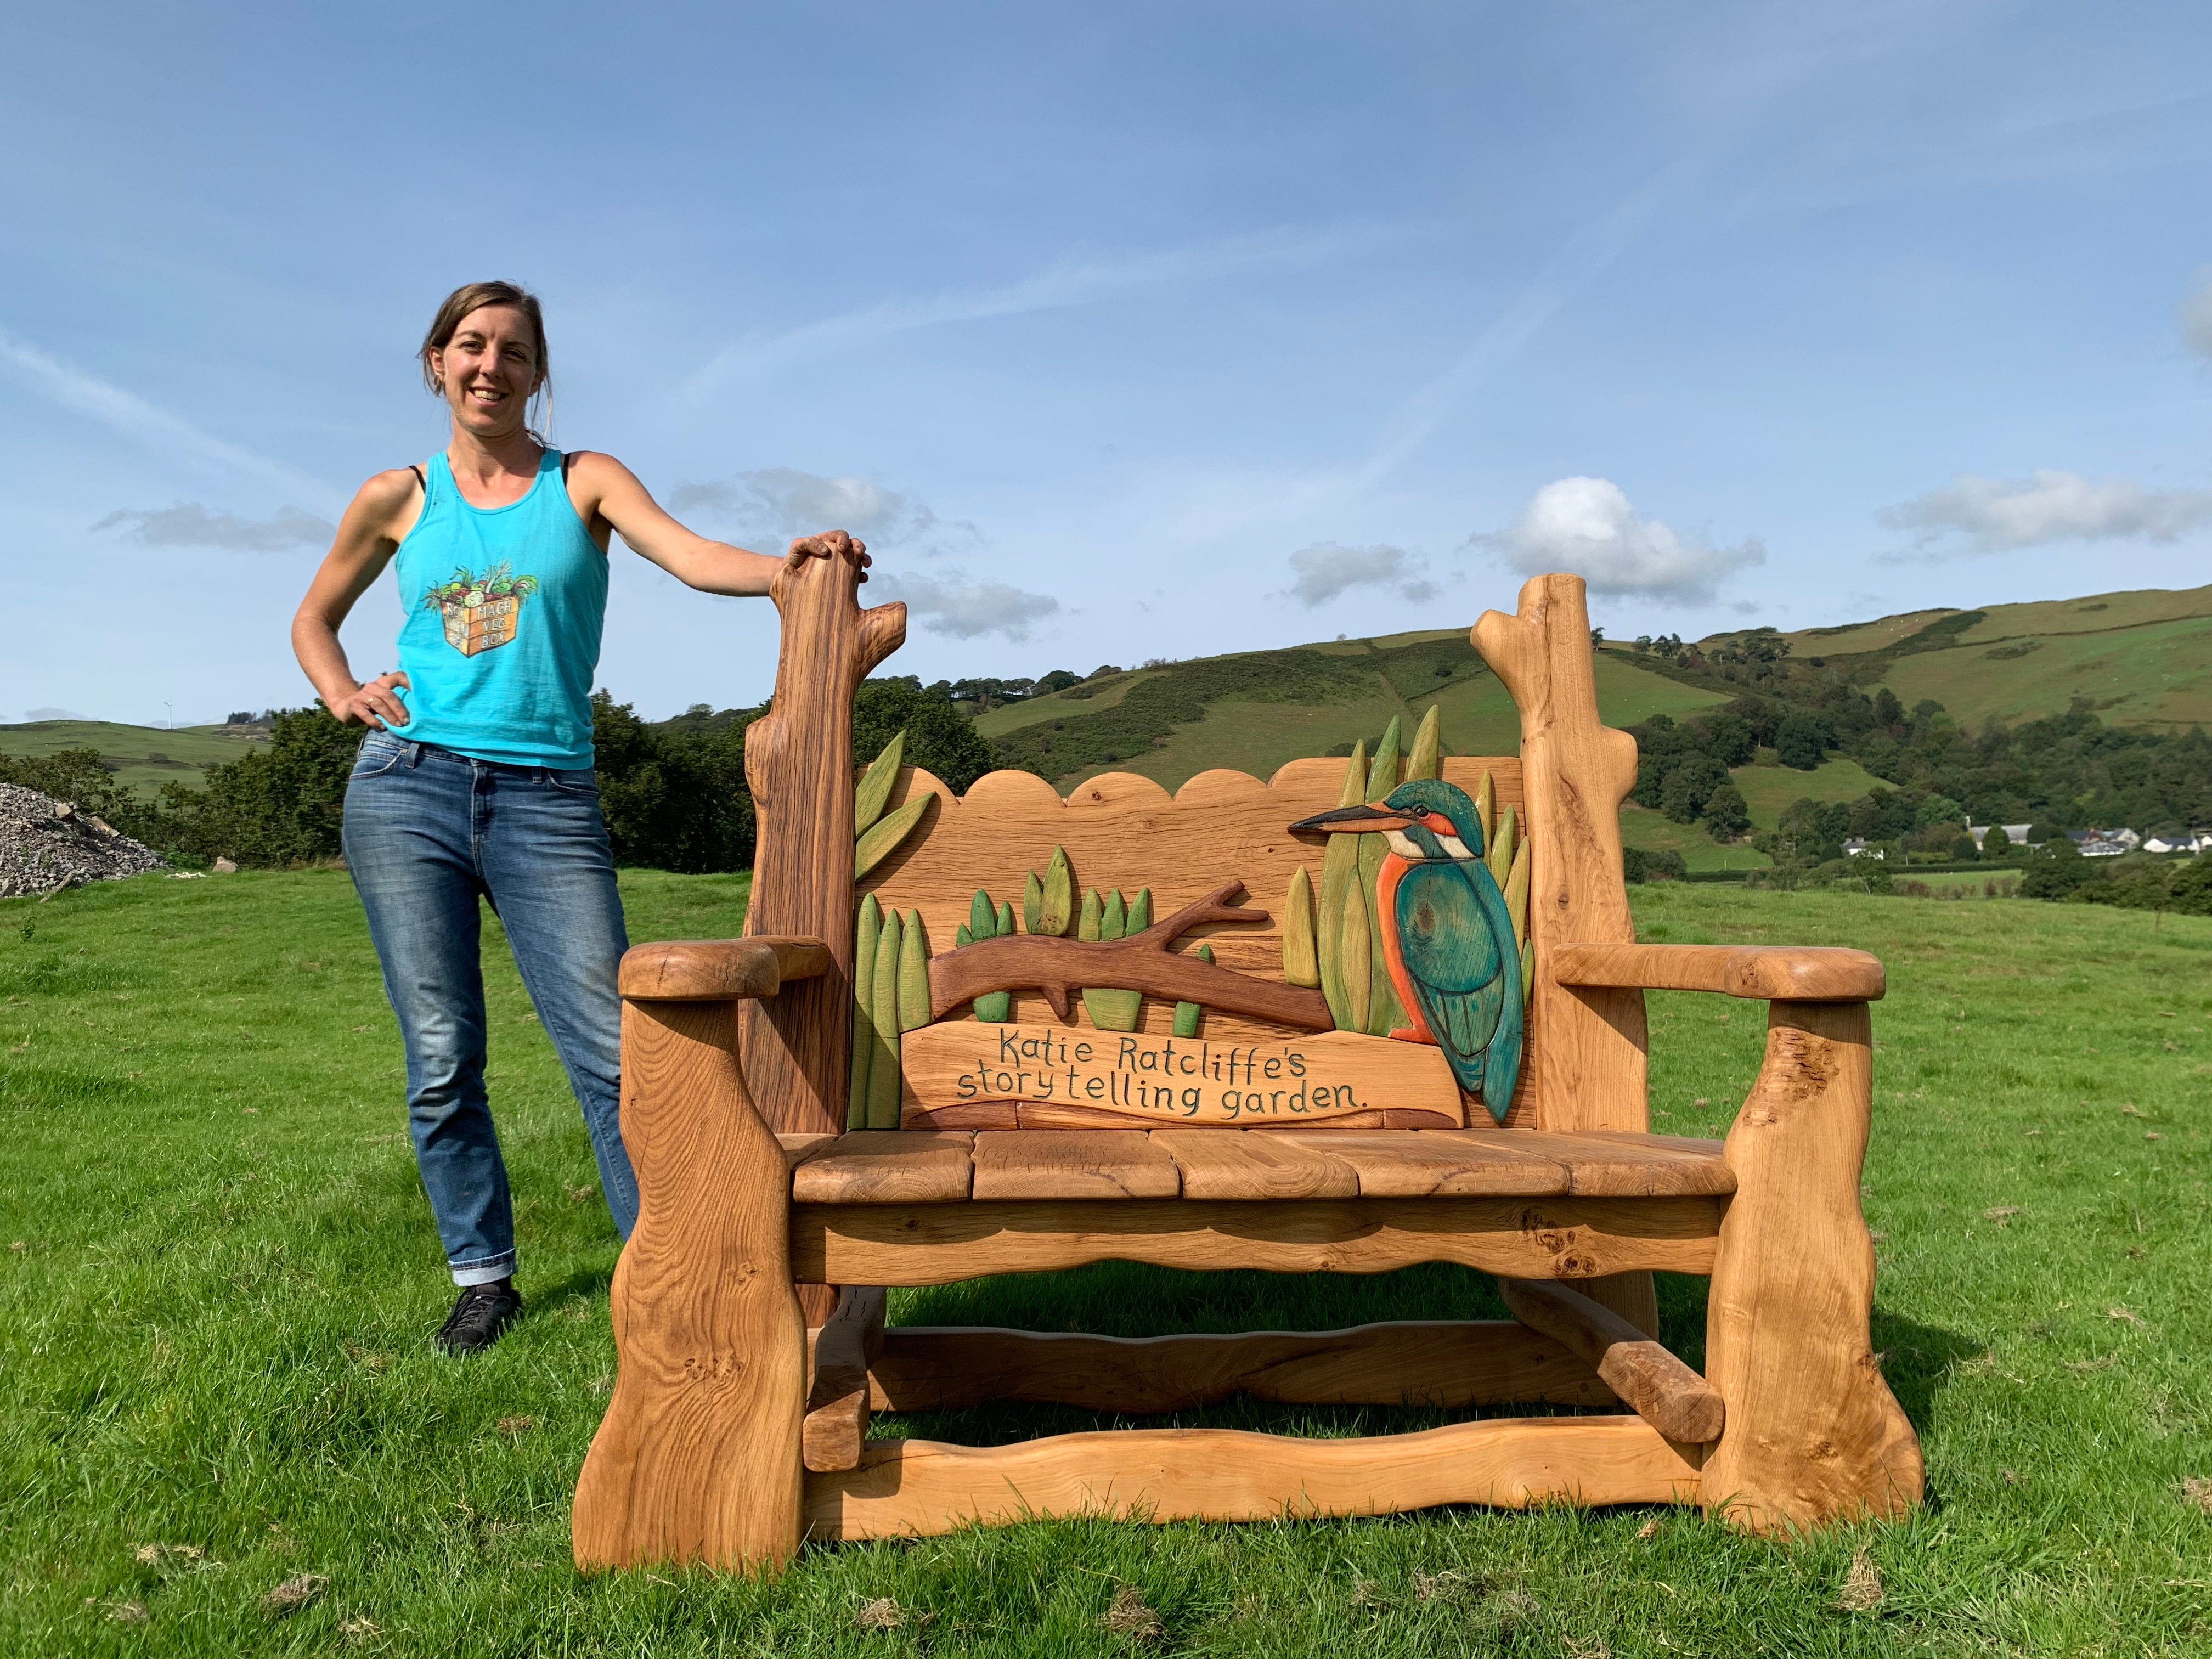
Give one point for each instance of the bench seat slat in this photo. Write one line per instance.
(1237, 1164)
(1055, 1163)
(886, 1166)
(911, 1166)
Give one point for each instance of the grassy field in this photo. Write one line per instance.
(2153, 673)
(1479, 718)
(221, 1276)
(1654, 831)
(1770, 791)
(148, 757)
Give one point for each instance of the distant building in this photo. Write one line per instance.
(2014, 833)
(1856, 848)
(2105, 843)
(2188, 841)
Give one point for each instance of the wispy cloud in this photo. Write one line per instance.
(188, 523)
(1327, 569)
(780, 501)
(1057, 288)
(1587, 525)
(967, 610)
(1578, 261)
(80, 391)
(1974, 516)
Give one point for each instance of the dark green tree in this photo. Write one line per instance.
(1727, 816)
(1803, 740)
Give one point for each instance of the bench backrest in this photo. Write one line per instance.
(1224, 839)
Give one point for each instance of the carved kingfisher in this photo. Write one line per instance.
(1447, 937)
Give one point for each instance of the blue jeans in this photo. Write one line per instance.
(427, 831)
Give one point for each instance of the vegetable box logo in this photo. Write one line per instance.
(480, 611)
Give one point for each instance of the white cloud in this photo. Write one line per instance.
(1997, 515)
(1586, 525)
(188, 523)
(2196, 315)
(1327, 569)
(952, 604)
(62, 382)
(54, 714)
(778, 502)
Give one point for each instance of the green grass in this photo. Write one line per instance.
(221, 1277)
(2152, 673)
(186, 750)
(1770, 791)
(1653, 832)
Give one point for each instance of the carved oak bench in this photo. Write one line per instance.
(1422, 1041)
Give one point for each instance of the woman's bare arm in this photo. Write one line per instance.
(602, 486)
(382, 511)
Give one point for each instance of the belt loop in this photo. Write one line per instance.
(413, 756)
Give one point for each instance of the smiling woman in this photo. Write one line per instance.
(475, 779)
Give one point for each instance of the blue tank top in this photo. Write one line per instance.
(505, 607)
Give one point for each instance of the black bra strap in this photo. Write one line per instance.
(568, 460)
(419, 478)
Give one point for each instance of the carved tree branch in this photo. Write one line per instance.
(1142, 962)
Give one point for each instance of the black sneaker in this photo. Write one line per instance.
(483, 1312)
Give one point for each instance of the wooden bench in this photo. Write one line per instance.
(890, 1082)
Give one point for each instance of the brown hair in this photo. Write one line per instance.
(472, 296)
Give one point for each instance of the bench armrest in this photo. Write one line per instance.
(1774, 973)
(719, 970)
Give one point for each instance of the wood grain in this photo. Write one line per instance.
(1057, 967)
(1659, 1387)
(698, 1456)
(1586, 1044)
(1071, 1164)
(1443, 1362)
(1013, 1115)
(1237, 1164)
(1125, 831)
(908, 1488)
(1791, 973)
(1814, 1433)
(884, 1166)
(1170, 1080)
(836, 1421)
(799, 765)
(1574, 1238)
(1585, 1058)
(719, 970)
(1457, 1164)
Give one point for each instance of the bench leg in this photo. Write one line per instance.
(698, 1457)
(1813, 1434)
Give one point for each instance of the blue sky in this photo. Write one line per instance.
(1124, 332)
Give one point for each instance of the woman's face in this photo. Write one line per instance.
(489, 369)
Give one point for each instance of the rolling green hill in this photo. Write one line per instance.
(1254, 710)
(143, 757)
(2140, 657)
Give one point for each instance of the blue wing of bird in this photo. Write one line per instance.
(1456, 940)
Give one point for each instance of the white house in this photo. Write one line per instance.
(1855, 847)
(2014, 833)
(2180, 841)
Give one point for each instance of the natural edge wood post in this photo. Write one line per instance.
(1586, 1044)
(799, 762)
(1814, 1433)
(698, 1456)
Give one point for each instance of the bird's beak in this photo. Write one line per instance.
(1351, 821)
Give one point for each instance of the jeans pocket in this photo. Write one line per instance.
(579, 780)
(376, 758)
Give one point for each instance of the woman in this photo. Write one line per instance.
(475, 778)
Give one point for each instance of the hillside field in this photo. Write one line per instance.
(185, 751)
(214, 1372)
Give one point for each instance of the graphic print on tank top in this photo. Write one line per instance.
(480, 612)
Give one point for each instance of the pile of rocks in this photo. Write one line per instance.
(47, 845)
